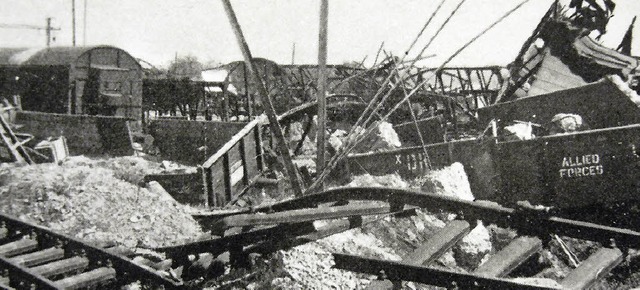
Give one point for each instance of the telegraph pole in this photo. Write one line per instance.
(48, 29)
(73, 20)
(84, 24)
(322, 85)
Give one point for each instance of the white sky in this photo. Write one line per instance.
(155, 30)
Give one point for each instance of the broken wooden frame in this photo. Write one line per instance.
(475, 83)
(229, 172)
(13, 146)
(520, 220)
(266, 239)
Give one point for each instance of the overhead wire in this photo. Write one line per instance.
(388, 79)
(352, 142)
(424, 48)
(348, 147)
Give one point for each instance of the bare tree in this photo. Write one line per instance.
(186, 67)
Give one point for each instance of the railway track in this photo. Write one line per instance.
(290, 221)
(34, 257)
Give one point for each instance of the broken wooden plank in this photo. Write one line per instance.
(87, 279)
(39, 257)
(430, 250)
(439, 243)
(18, 247)
(473, 210)
(593, 269)
(512, 256)
(322, 87)
(61, 267)
(307, 214)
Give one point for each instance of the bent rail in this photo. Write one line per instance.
(289, 223)
(235, 166)
(521, 219)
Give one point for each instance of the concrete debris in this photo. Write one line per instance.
(450, 181)
(384, 137)
(337, 138)
(473, 249)
(368, 180)
(310, 266)
(565, 123)
(519, 131)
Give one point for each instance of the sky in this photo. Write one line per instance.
(158, 30)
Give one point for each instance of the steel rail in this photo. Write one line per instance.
(526, 222)
(125, 268)
(439, 277)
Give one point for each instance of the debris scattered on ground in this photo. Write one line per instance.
(368, 180)
(97, 200)
(450, 181)
(519, 131)
(382, 138)
(565, 123)
(309, 266)
(474, 248)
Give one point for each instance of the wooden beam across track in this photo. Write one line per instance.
(509, 258)
(294, 227)
(523, 221)
(593, 269)
(306, 214)
(223, 244)
(331, 228)
(275, 236)
(430, 250)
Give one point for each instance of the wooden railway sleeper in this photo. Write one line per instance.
(31, 255)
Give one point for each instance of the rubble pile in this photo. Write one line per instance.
(309, 266)
(295, 133)
(450, 181)
(382, 138)
(97, 200)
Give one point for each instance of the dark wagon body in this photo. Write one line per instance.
(98, 80)
(596, 166)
